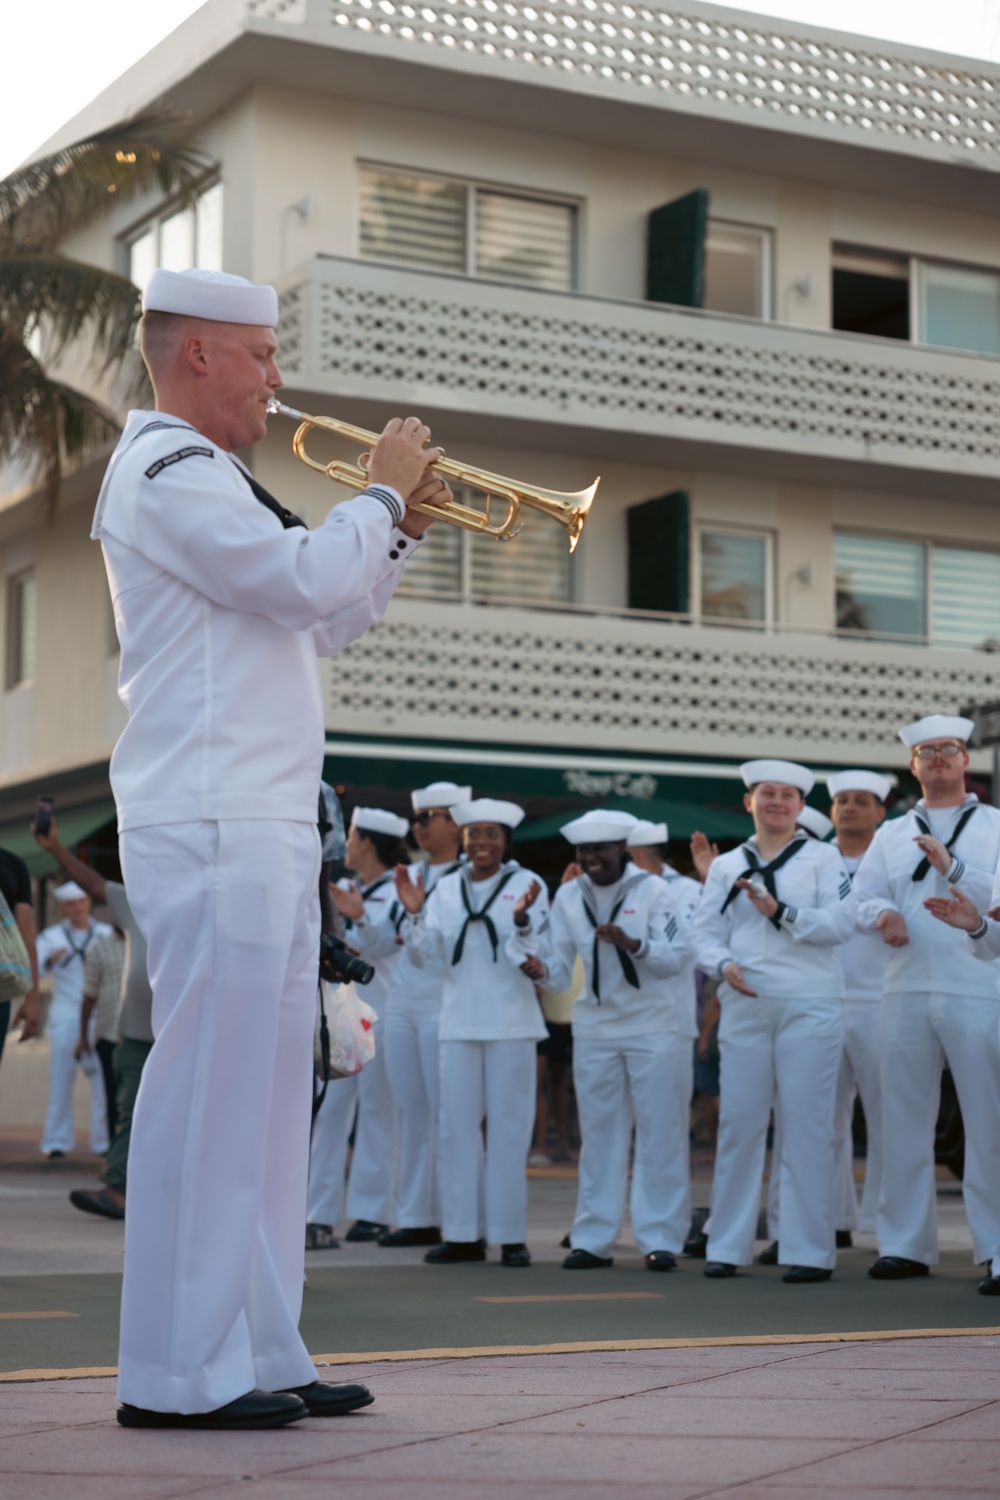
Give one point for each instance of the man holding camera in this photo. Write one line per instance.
(222, 604)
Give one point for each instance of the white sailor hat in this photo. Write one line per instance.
(642, 834)
(488, 810)
(815, 823)
(937, 727)
(599, 826)
(858, 781)
(786, 772)
(69, 891)
(377, 820)
(213, 295)
(439, 794)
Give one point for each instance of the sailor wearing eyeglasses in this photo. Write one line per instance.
(939, 1005)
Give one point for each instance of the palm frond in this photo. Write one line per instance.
(43, 201)
(64, 298)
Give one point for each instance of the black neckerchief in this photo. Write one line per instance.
(590, 912)
(287, 518)
(766, 872)
(924, 826)
(75, 952)
(472, 915)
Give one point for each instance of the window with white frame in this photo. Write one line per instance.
(20, 665)
(906, 297)
(178, 238)
(440, 224)
(533, 566)
(734, 574)
(737, 269)
(894, 587)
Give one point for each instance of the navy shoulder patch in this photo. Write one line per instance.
(175, 458)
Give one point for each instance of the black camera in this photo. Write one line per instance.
(339, 965)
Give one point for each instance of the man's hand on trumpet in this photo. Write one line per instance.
(401, 459)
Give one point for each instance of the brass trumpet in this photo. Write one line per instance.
(570, 510)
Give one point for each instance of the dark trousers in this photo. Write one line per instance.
(105, 1050)
(128, 1062)
(4, 1022)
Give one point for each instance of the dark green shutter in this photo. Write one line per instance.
(675, 251)
(658, 547)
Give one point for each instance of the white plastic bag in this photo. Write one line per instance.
(350, 1021)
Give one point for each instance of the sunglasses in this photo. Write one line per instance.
(421, 819)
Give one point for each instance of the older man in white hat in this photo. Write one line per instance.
(222, 602)
(939, 1005)
(62, 950)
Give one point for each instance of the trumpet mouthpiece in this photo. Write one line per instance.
(276, 408)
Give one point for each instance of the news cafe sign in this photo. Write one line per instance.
(610, 784)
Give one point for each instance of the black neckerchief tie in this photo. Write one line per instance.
(766, 872)
(74, 951)
(479, 916)
(286, 517)
(925, 863)
(590, 911)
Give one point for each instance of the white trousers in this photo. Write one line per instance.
(370, 1193)
(918, 1033)
(59, 1134)
(214, 1249)
(790, 1048)
(495, 1082)
(649, 1080)
(412, 1056)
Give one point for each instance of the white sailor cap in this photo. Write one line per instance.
(815, 823)
(642, 834)
(69, 891)
(377, 820)
(213, 295)
(439, 794)
(937, 727)
(858, 781)
(599, 826)
(786, 772)
(488, 810)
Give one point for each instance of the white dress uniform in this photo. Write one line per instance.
(632, 1032)
(371, 1188)
(490, 1023)
(221, 613)
(938, 1004)
(787, 1041)
(63, 1029)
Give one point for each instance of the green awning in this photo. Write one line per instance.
(73, 825)
(682, 819)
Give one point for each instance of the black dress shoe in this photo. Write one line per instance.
(393, 1239)
(719, 1269)
(321, 1237)
(96, 1201)
(807, 1273)
(564, 1243)
(990, 1287)
(769, 1257)
(364, 1229)
(845, 1239)
(56, 1155)
(661, 1260)
(515, 1255)
(582, 1260)
(254, 1410)
(323, 1400)
(897, 1268)
(454, 1250)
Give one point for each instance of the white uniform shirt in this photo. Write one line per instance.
(988, 946)
(486, 996)
(375, 937)
(221, 614)
(798, 957)
(687, 894)
(864, 954)
(642, 905)
(937, 957)
(418, 988)
(67, 970)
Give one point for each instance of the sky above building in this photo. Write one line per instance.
(60, 53)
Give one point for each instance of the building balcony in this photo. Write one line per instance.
(643, 381)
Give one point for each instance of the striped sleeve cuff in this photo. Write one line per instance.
(642, 951)
(980, 931)
(390, 498)
(956, 872)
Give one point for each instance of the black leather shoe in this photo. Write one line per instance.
(256, 1409)
(845, 1239)
(323, 1400)
(454, 1250)
(564, 1243)
(364, 1229)
(769, 1257)
(515, 1255)
(661, 1260)
(719, 1269)
(96, 1201)
(990, 1287)
(896, 1268)
(393, 1239)
(582, 1260)
(807, 1273)
(321, 1237)
(696, 1243)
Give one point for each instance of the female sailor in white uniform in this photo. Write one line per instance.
(490, 1022)
(773, 944)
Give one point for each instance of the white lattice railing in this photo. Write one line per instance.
(349, 328)
(692, 57)
(516, 676)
